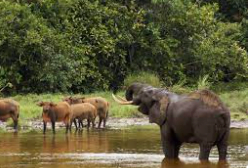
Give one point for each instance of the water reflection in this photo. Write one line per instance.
(90, 141)
(167, 163)
(109, 148)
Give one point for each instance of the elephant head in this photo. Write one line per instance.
(152, 102)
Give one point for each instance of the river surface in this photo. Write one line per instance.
(113, 148)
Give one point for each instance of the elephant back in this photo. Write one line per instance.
(207, 97)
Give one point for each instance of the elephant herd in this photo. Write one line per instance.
(199, 117)
(69, 111)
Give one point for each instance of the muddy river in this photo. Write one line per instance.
(114, 148)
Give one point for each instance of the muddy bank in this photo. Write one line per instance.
(112, 123)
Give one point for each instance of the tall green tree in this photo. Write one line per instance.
(31, 53)
(204, 45)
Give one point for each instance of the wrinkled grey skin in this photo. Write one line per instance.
(182, 120)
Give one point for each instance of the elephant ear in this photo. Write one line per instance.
(164, 102)
(157, 113)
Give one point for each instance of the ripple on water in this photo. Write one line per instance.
(112, 160)
(111, 148)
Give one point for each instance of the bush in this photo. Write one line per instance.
(203, 45)
(84, 46)
(203, 83)
(143, 77)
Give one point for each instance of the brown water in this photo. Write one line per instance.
(134, 147)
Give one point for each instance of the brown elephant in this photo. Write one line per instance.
(199, 117)
(100, 104)
(9, 109)
(83, 111)
(55, 112)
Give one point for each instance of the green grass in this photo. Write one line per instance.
(143, 77)
(237, 102)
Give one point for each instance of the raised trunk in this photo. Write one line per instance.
(134, 90)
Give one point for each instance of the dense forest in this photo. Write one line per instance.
(87, 45)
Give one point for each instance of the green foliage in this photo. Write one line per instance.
(180, 87)
(143, 77)
(234, 10)
(32, 54)
(84, 46)
(203, 83)
(231, 86)
(236, 101)
(204, 44)
(2, 86)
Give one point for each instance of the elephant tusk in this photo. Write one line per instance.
(121, 98)
(121, 102)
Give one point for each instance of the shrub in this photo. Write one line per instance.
(143, 77)
(203, 82)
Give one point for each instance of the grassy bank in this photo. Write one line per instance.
(30, 111)
(237, 101)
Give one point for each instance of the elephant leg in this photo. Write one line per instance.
(177, 149)
(171, 149)
(222, 149)
(222, 146)
(44, 127)
(205, 149)
(171, 145)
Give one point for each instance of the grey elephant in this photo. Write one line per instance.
(199, 117)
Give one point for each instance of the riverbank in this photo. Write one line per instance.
(112, 123)
(236, 101)
(122, 116)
